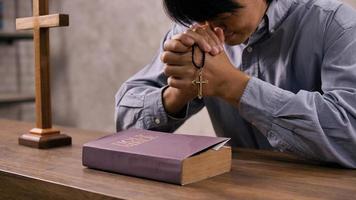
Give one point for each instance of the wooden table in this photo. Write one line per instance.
(27, 173)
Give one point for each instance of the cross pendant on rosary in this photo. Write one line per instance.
(200, 81)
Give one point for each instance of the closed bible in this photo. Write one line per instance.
(172, 158)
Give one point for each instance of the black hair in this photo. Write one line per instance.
(186, 12)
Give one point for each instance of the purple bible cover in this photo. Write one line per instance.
(143, 153)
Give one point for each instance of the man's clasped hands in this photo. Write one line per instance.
(224, 80)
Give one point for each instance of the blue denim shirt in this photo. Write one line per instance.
(302, 94)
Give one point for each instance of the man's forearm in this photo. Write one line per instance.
(234, 87)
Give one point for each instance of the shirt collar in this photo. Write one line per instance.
(259, 33)
(277, 12)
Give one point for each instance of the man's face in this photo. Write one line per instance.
(239, 25)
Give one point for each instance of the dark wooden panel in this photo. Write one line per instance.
(22, 187)
(11, 37)
(16, 98)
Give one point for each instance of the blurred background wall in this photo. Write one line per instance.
(106, 43)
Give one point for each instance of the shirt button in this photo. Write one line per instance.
(249, 49)
(270, 134)
(157, 121)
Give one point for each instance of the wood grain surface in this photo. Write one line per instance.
(27, 173)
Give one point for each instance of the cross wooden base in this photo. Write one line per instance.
(45, 139)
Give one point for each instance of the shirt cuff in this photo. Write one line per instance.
(260, 101)
(155, 114)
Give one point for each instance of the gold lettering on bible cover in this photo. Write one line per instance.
(134, 140)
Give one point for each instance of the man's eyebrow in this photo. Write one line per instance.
(223, 16)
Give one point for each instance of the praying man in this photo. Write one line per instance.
(273, 74)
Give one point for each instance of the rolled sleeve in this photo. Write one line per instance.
(260, 101)
(139, 101)
(313, 125)
(155, 115)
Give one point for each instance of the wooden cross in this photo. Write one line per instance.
(43, 136)
(200, 81)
